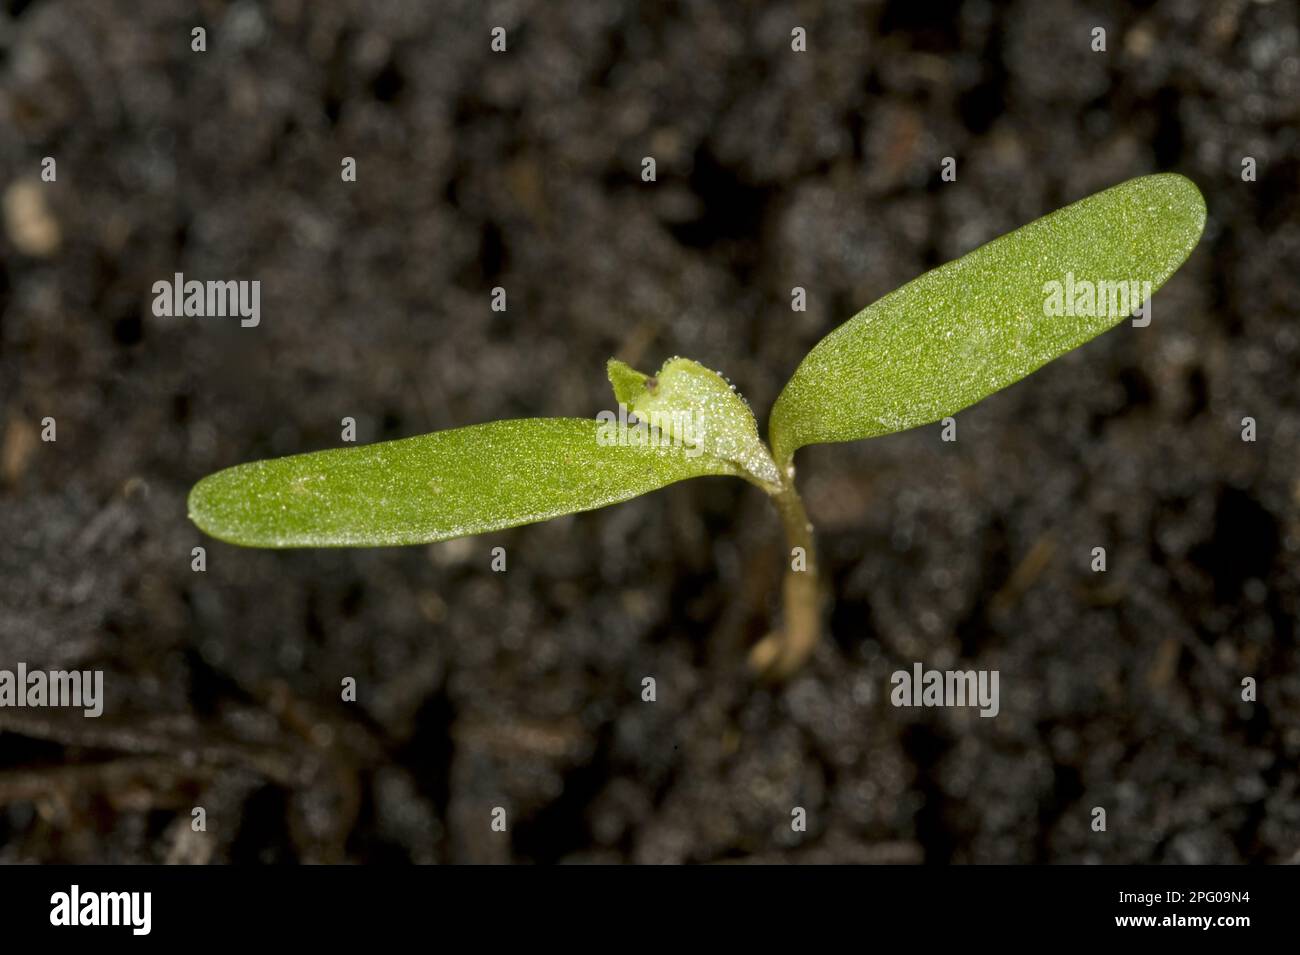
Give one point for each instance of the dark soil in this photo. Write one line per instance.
(522, 690)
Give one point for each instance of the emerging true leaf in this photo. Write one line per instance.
(699, 409)
(436, 486)
(970, 327)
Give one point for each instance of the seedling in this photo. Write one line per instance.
(920, 354)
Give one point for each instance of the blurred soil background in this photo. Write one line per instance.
(522, 690)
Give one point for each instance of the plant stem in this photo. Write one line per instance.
(782, 652)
